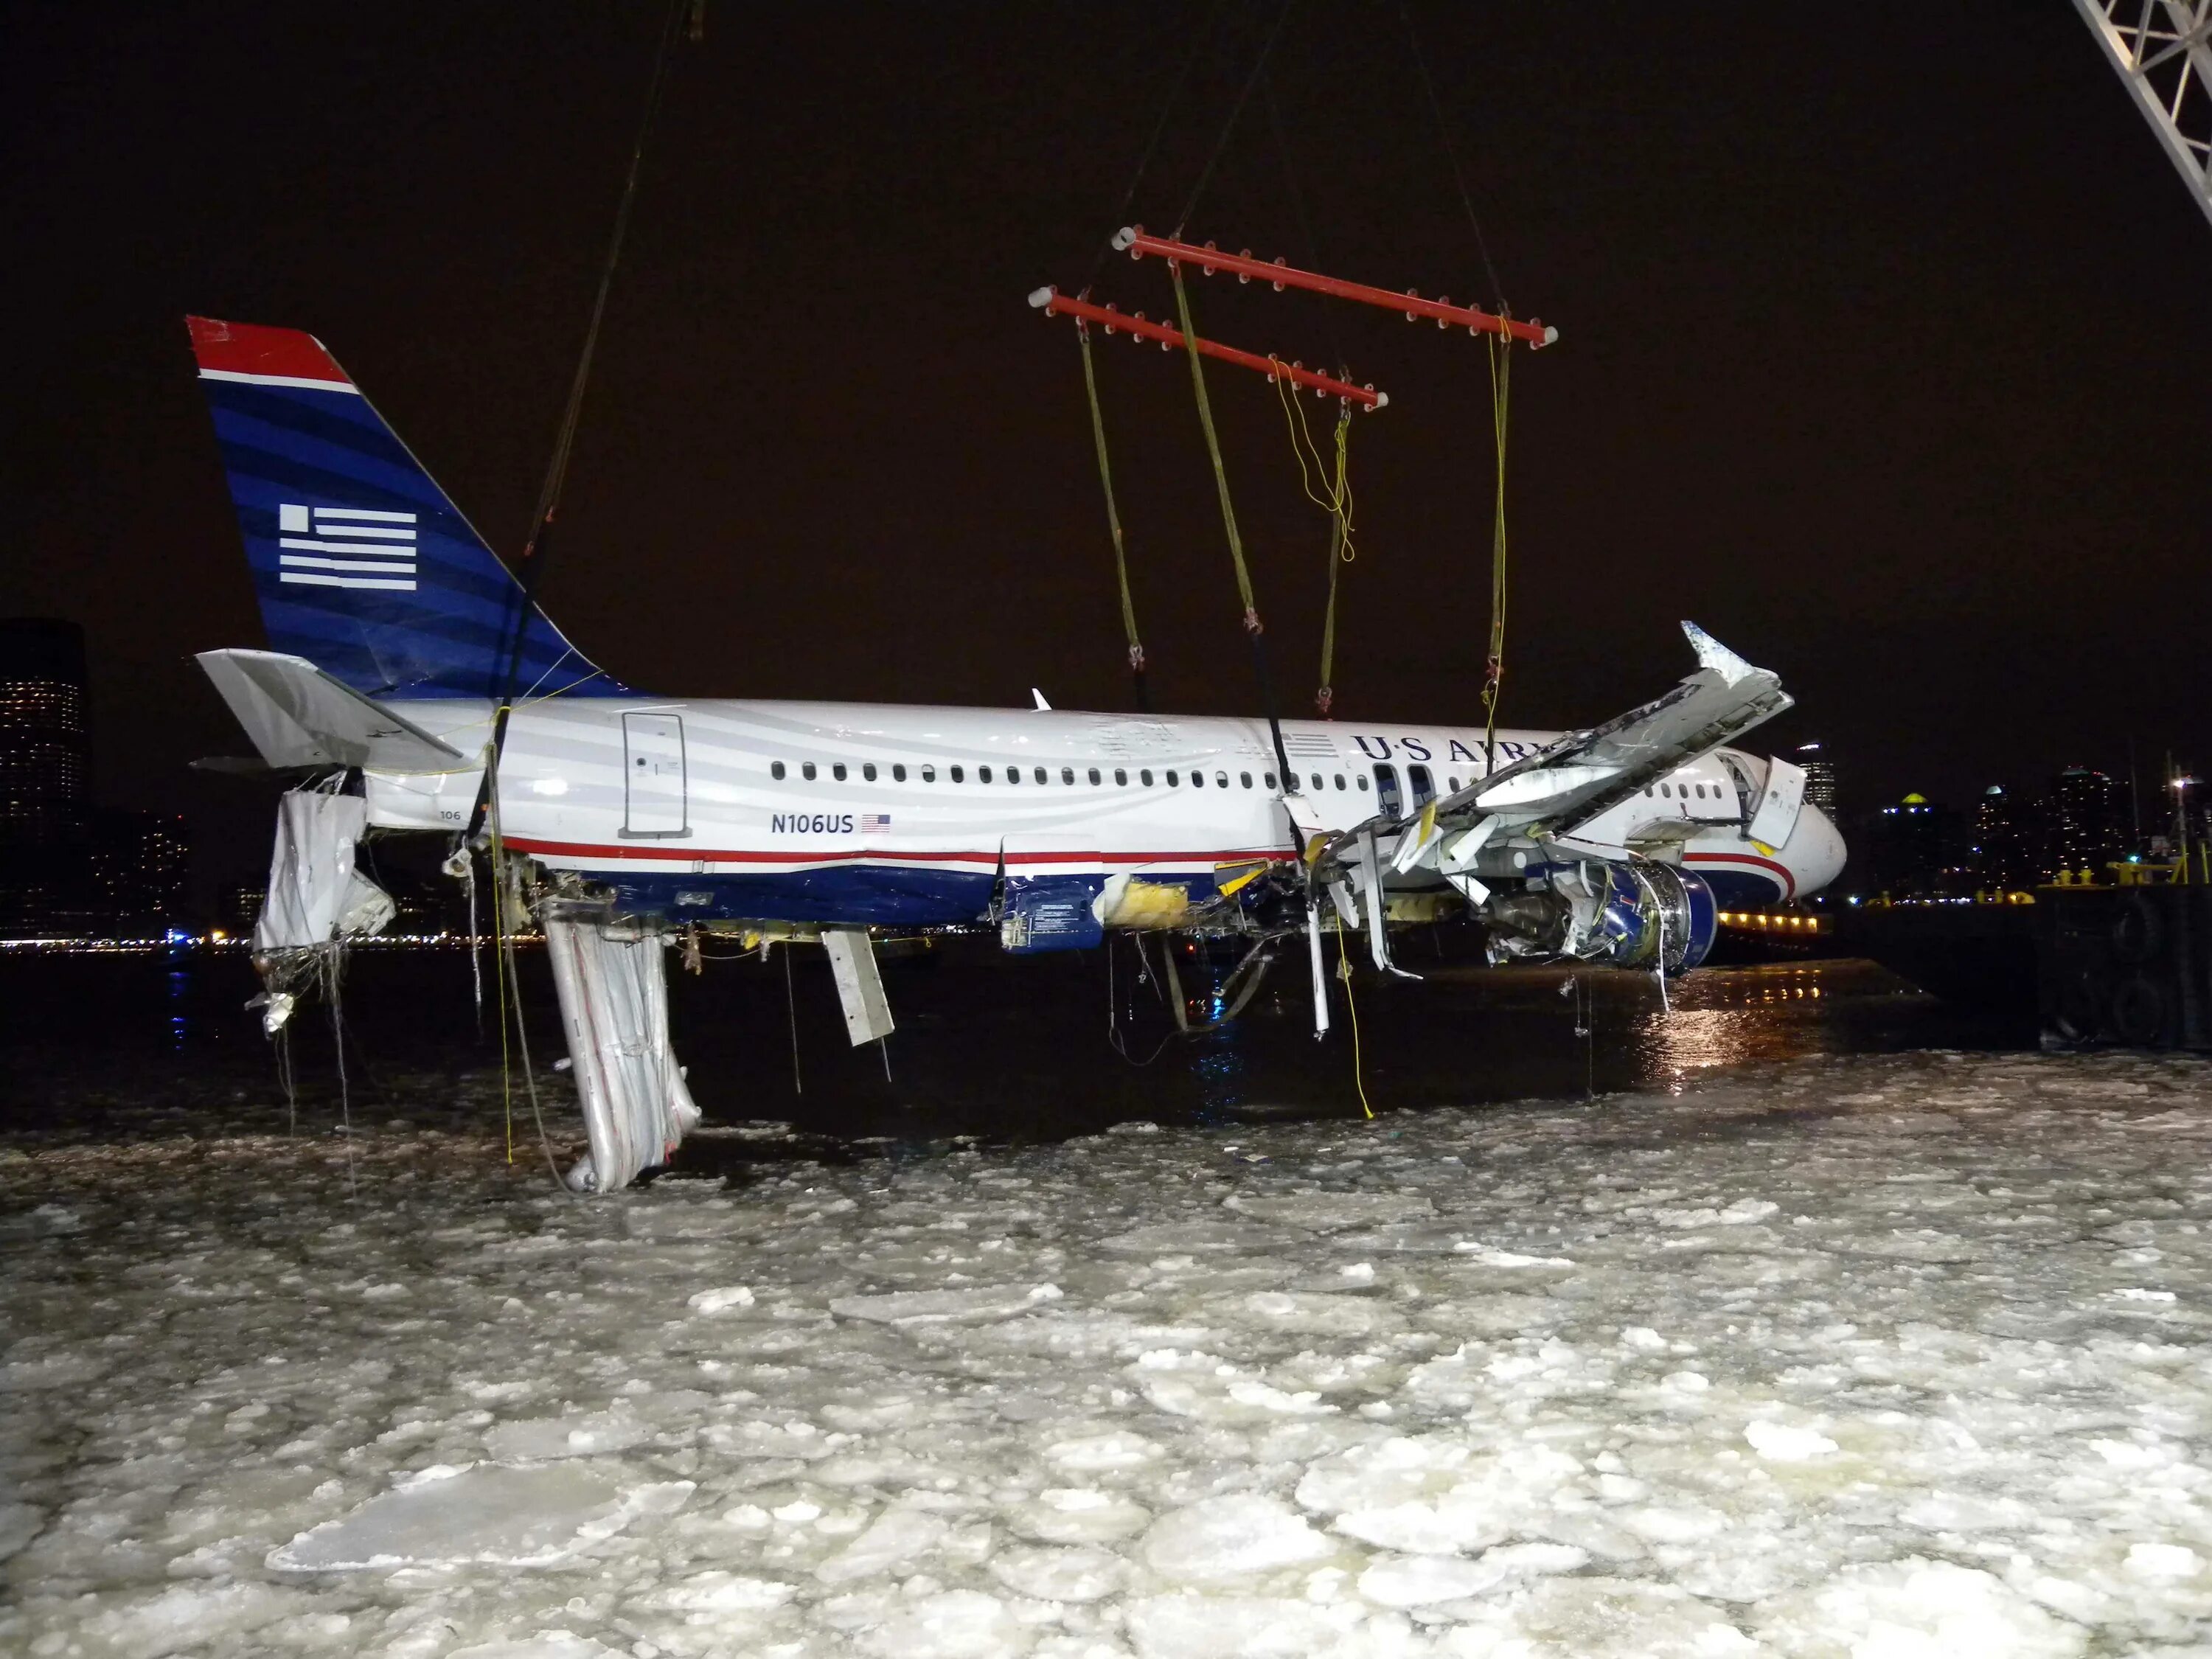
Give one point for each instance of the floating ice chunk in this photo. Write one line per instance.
(1077, 1574)
(1201, 1386)
(1748, 1209)
(1077, 1515)
(1415, 1581)
(1643, 1338)
(1784, 1443)
(2163, 1561)
(1489, 1256)
(897, 1536)
(1117, 1449)
(950, 1624)
(210, 1616)
(1314, 1313)
(545, 1645)
(1323, 1212)
(1434, 1495)
(1627, 1618)
(1915, 1609)
(587, 1434)
(2135, 1294)
(720, 1301)
(757, 1437)
(984, 1302)
(1197, 1238)
(1230, 1537)
(483, 1514)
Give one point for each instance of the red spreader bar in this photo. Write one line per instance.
(1053, 303)
(1209, 259)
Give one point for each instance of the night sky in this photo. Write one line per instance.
(1883, 355)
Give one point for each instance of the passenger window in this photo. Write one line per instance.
(1040, 774)
(837, 771)
(1340, 779)
(776, 770)
(1701, 792)
(1361, 780)
(1270, 777)
(1454, 782)
(1221, 780)
(899, 774)
(1094, 775)
(1145, 777)
(868, 770)
(807, 771)
(1013, 775)
(1386, 793)
(958, 776)
(929, 774)
(1316, 778)
(1172, 779)
(1121, 776)
(1198, 779)
(1068, 774)
(983, 773)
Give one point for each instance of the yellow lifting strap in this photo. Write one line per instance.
(1214, 450)
(1113, 516)
(1493, 673)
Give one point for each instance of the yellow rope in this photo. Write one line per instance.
(1113, 517)
(1344, 973)
(1493, 677)
(1337, 504)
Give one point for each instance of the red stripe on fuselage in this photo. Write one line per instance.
(1788, 876)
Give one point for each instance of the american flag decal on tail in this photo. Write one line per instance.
(345, 547)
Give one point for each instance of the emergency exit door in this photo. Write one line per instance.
(653, 804)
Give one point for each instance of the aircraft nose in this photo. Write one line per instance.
(1816, 851)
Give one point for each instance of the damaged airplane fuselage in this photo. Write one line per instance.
(398, 634)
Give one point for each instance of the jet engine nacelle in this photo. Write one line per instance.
(1624, 915)
(1656, 914)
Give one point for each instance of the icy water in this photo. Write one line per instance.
(1786, 1346)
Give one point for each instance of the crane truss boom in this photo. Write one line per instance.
(2163, 51)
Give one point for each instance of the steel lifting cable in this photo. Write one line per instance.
(1253, 628)
(1114, 522)
(686, 18)
(1493, 670)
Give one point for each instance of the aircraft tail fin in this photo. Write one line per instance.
(361, 562)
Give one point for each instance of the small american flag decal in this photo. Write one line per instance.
(875, 824)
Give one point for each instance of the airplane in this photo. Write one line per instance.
(391, 624)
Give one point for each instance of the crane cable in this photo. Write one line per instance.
(1493, 669)
(1254, 629)
(1114, 522)
(1337, 504)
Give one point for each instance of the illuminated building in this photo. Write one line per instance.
(45, 768)
(135, 864)
(2002, 855)
(1819, 777)
(2083, 823)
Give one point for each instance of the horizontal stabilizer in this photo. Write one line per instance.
(298, 715)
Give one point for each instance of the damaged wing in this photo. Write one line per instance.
(298, 715)
(1546, 795)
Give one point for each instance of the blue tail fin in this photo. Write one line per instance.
(361, 563)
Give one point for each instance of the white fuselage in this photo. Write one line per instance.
(888, 813)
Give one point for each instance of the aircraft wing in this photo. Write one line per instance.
(1546, 795)
(298, 715)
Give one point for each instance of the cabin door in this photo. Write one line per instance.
(654, 797)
